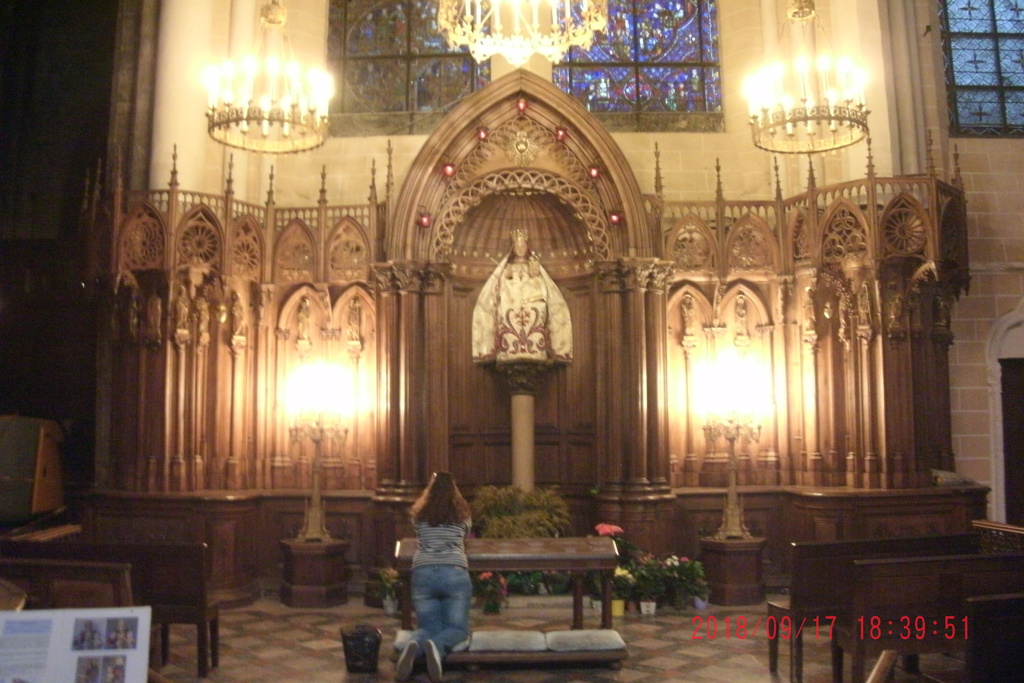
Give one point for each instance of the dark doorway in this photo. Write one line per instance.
(1013, 438)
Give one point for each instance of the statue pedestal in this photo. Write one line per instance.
(315, 573)
(733, 570)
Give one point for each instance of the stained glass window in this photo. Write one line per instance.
(394, 71)
(984, 42)
(656, 67)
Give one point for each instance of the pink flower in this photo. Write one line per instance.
(485, 575)
(603, 529)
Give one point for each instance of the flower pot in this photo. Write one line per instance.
(390, 606)
(648, 607)
(699, 602)
(618, 607)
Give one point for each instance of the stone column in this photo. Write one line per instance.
(523, 380)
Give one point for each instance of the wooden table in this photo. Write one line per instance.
(577, 555)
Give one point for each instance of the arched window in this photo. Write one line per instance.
(984, 44)
(394, 71)
(654, 68)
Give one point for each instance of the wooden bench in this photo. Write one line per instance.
(577, 555)
(916, 605)
(819, 570)
(59, 584)
(169, 577)
(995, 646)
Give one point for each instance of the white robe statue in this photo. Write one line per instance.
(521, 315)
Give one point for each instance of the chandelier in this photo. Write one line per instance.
(516, 29)
(814, 104)
(266, 102)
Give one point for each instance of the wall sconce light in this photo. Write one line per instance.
(424, 219)
(448, 170)
(521, 104)
(615, 217)
(482, 133)
(561, 133)
(594, 172)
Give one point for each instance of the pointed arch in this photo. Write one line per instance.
(200, 240)
(457, 142)
(143, 243)
(295, 254)
(904, 228)
(844, 234)
(750, 245)
(247, 250)
(691, 244)
(348, 252)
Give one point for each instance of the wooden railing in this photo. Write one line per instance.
(997, 537)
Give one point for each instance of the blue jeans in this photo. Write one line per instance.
(441, 594)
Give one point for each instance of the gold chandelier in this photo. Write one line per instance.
(816, 103)
(516, 29)
(266, 102)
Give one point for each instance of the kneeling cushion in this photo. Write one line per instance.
(402, 637)
(584, 639)
(507, 641)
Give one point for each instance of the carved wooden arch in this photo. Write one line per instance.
(355, 335)
(455, 138)
(844, 234)
(905, 228)
(288, 311)
(691, 245)
(143, 240)
(530, 179)
(347, 256)
(699, 304)
(199, 240)
(753, 295)
(750, 245)
(797, 230)
(248, 250)
(295, 254)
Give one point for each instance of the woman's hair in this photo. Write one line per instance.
(441, 502)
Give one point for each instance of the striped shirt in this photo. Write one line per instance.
(441, 544)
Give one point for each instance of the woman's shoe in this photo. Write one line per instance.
(433, 662)
(403, 667)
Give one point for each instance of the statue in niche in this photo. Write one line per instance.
(520, 314)
(181, 309)
(304, 319)
(154, 316)
(238, 327)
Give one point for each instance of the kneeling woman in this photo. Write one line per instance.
(441, 587)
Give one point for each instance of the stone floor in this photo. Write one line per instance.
(269, 642)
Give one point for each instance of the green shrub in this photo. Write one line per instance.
(510, 512)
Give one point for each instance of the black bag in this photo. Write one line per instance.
(362, 648)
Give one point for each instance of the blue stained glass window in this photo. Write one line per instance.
(655, 67)
(394, 71)
(984, 44)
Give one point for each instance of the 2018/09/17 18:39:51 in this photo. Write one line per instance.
(917, 627)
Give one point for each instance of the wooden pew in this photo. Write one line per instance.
(995, 646)
(916, 605)
(818, 569)
(58, 584)
(169, 577)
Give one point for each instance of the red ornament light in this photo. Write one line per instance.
(521, 104)
(482, 133)
(424, 219)
(448, 170)
(561, 133)
(615, 218)
(594, 172)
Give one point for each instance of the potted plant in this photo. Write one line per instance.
(650, 576)
(686, 580)
(623, 588)
(491, 588)
(510, 512)
(389, 584)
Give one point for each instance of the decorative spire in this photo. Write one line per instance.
(390, 183)
(778, 179)
(174, 167)
(658, 188)
(958, 181)
(323, 184)
(270, 191)
(871, 159)
(718, 181)
(373, 181)
(811, 183)
(928, 151)
(231, 174)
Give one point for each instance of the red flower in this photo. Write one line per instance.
(603, 529)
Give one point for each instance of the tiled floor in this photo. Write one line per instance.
(269, 642)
